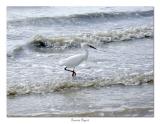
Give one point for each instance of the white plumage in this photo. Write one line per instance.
(75, 60)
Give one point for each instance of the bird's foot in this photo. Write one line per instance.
(73, 74)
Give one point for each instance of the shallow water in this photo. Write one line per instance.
(117, 82)
(115, 66)
(112, 101)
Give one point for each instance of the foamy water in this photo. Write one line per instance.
(37, 42)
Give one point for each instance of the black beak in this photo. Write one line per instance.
(91, 46)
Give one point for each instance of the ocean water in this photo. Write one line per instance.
(116, 83)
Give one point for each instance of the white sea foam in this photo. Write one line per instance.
(21, 88)
(63, 42)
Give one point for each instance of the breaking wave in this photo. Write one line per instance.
(40, 43)
(64, 42)
(16, 52)
(80, 18)
(22, 88)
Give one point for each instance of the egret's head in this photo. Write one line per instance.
(85, 46)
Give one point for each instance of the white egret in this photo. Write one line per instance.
(75, 60)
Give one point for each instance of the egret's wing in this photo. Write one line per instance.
(72, 61)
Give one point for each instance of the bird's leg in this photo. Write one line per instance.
(67, 69)
(74, 73)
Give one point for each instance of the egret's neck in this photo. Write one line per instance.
(86, 54)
